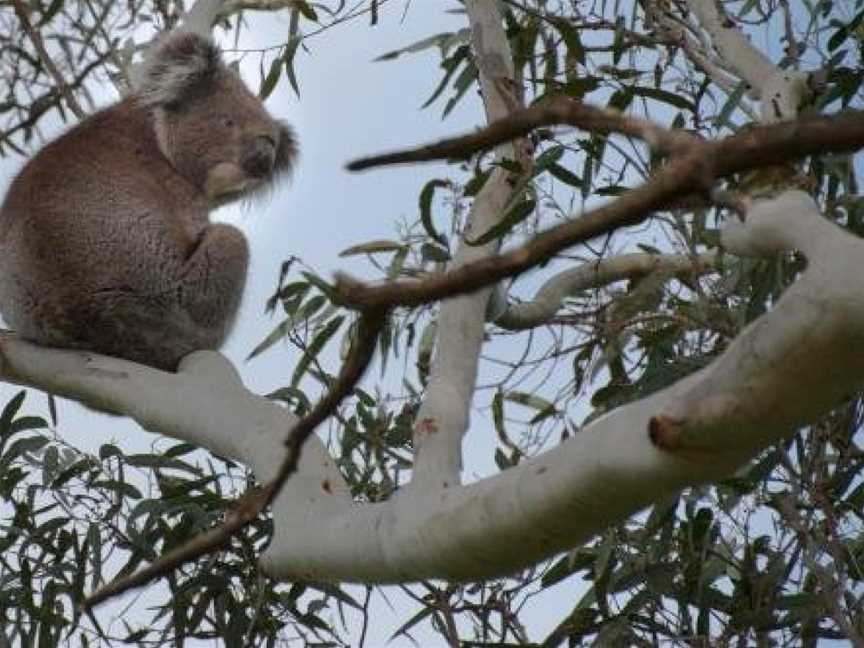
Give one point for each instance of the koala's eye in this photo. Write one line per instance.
(229, 123)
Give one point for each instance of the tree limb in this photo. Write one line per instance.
(547, 301)
(254, 502)
(443, 417)
(555, 111)
(780, 91)
(785, 368)
(687, 173)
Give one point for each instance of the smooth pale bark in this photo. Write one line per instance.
(602, 272)
(781, 92)
(444, 415)
(672, 31)
(786, 368)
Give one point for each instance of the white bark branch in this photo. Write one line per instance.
(547, 300)
(671, 31)
(204, 13)
(200, 18)
(785, 368)
(781, 92)
(204, 403)
(444, 415)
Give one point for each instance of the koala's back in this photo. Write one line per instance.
(97, 233)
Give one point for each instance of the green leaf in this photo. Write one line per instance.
(518, 213)
(450, 65)
(464, 81)
(547, 158)
(571, 39)
(842, 34)
(271, 79)
(621, 99)
(436, 40)
(498, 413)
(425, 204)
(578, 88)
(575, 561)
(475, 184)
(108, 450)
(289, 56)
(372, 247)
(73, 471)
(565, 175)
(10, 411)
(664, 96)
(315, 347)
(605, 552)
(731, 104)
(20, 447)
(160, 461)
(544, 407)
(320, 284)
(122, 489)
(306, 9)
(24, 423)
(434, 253)
(278, 333)
(410, 623)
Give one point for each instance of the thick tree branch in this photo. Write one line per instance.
(253, 503)
(780, 91)
(785, 368)
(443, 417)
(673, 32)
(733, 46)
(556, 111)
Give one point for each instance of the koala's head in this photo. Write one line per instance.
(212, 129)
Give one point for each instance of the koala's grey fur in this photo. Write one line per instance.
(105, 239)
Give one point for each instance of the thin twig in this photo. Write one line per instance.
(44, 102)
(688, 175)
(678, 177)
(36, 38)
(557, 111)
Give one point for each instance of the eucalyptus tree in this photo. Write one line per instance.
(637, 282)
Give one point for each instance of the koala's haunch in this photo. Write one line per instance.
(105, 239)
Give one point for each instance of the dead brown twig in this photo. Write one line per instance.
(688, 176)
(251, 505)
(557, 111)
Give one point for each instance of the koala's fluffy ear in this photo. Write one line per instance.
(286, 151)
(177, 66)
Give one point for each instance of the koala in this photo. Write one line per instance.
(105, 239)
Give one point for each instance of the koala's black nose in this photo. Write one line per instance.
(259, 158)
